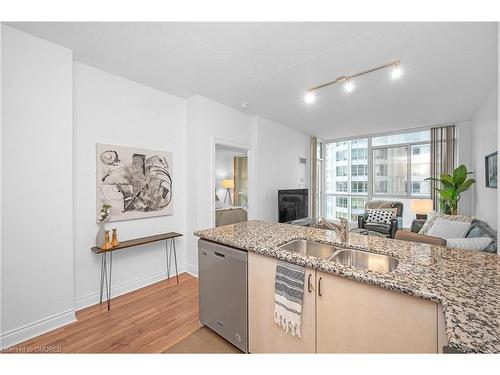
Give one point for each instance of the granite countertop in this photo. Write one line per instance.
(466, 283)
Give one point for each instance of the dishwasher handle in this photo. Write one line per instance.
(219, 255)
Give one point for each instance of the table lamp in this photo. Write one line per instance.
(421, 207)
(228, 184)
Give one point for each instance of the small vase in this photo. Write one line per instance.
(99, 238)
(107, 243)
(114, 239)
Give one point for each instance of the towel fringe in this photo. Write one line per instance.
(287, 325)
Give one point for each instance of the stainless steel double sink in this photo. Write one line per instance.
(348, 257)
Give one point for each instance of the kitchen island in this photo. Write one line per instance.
(465, 284)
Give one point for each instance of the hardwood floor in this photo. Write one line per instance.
(147, 320)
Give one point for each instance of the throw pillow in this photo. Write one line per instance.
(444, 228)
(431, 218)
(380, 216)
(475, 243)
(480, 228)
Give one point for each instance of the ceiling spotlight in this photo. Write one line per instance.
(310, 97)
(396, 71)
(348, 86)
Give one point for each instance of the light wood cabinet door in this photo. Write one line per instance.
(354, 317)
(265, 336)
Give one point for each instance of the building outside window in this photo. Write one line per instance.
(346, 164)
(342, 171)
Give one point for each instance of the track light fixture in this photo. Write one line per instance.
(348, 83)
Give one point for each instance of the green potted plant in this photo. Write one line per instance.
(451, 188)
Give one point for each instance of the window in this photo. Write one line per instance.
(420, 170)
(380, 170)
(342, 187)
(357, 207)
(342, 202)
(392, 170)
(341, 215)
(395, 139)
(359, 154)
(381, 187)
(341, 155)
(342, 171)
(358, 170)
(359, 186)
(401, 163)
(346, 174)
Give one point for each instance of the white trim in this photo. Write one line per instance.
(251, 175)
(127, 287)
(39, 327)
(192, 270)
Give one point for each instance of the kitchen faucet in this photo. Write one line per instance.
(341, 229)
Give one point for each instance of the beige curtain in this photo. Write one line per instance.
(443, 149)
(314, 175)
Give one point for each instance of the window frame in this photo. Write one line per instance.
(408, 147)
(370, 195)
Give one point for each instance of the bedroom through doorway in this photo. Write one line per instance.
(231, 184)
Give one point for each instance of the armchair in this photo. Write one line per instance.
(388, 230)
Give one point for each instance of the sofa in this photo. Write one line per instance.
(478, 229)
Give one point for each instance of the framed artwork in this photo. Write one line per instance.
(137, 183)
(491, 170)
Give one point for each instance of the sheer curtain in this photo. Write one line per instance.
(314, 177)
(443, 150)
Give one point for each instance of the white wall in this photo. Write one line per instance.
(37, 196)
(484, 142)
(208, 120)
(278, 151)
(465, 157)
(275, 157)
(113, 110)
(1, 126)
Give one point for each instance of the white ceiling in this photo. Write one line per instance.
(449, 68)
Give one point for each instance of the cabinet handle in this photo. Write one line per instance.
(309, 286)
(319, 287)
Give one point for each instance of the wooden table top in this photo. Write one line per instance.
(138, 242)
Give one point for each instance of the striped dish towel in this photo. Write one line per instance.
(288, 296)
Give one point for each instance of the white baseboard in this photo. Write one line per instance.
(126, 287)
(192, 270)
(30, 330)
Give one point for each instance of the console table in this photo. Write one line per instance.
(169, 238)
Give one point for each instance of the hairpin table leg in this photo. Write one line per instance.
(110, 269)
(102, 277)
(175, 259)
(105, 271)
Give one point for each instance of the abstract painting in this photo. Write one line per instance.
(137, 183)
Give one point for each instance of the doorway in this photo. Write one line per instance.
(231, 182)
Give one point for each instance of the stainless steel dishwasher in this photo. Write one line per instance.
(222, 272)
